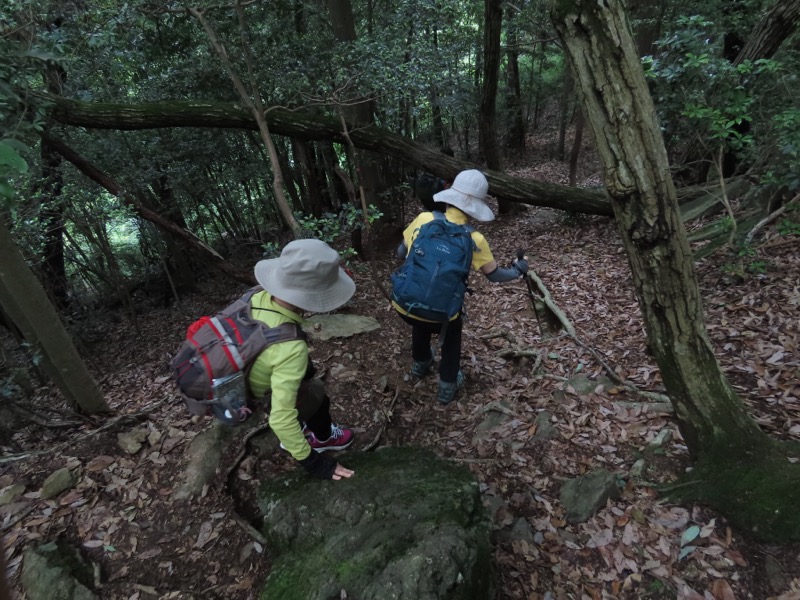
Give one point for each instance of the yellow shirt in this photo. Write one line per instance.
(481, 254)
(280, 368)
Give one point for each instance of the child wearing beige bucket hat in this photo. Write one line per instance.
(306, 277)
(465, 199)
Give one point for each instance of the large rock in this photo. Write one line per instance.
(584, 495)
(406, 526)
(326, 327)
(56, 571)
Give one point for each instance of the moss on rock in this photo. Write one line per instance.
(406, 525)
(758, 494)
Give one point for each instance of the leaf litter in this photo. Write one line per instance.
(124, 515)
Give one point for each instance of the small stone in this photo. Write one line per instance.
(383, 383)
(10, 493)
(154, 437)
(131, 441)
(662, 439)
(57, 482)
(638, 468)
(775, 576)
(544, 427)
(583, 496)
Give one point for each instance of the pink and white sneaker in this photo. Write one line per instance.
(338, 440)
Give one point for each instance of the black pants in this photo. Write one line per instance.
(314, 408)
(421, 333)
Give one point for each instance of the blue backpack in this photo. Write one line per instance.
(433, 280)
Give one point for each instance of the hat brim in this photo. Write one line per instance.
(321, 300)
(475, 208)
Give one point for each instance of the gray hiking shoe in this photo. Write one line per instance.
(420, 368)
(447, 390)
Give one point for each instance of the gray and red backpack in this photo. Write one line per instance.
(212, 364)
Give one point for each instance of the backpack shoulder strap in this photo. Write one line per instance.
(285, 332)
(437, 214)
(252, 292)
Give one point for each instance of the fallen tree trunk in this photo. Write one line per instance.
(307, 125)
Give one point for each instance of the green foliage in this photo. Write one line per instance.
(331, 228)
(790, 223)
(747, 262)
(701, 96)
(11, 164)
(785, 169)
(788, 227)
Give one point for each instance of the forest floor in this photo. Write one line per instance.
(124, 516)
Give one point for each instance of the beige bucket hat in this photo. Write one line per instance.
(468, 193)
(306, 274)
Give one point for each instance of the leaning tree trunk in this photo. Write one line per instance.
(620, 111)
(214, 259)
(739, 470)
(26, 302)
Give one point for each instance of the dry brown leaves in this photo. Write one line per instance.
(122, 511)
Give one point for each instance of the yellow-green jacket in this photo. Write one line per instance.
(280, 369)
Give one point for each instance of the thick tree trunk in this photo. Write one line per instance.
(308, 126)
(516, 120)
(739, 470)
(51, 219)
(620, 112)
(358, 114)
(487, 119)
(576, 150)
(771, 31)
(487, 129)
(25, 301)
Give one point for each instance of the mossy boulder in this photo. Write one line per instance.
(56, 571)
(406, 526)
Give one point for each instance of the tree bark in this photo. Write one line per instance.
(516, 120)
(307, 126)
(26, 302)
(51, 219)
(358, 114)
(576, 149)
(771, 31)
(487, 129)
(618, 107)
(85, 167)
(487, 119)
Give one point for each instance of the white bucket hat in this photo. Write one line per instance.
(468, 193)
(306, 274)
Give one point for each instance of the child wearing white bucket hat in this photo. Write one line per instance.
(306, 277)
(465, 199)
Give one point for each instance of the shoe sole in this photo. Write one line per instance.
(335, 448)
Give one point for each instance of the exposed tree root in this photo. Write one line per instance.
(248, 529)
(387, 416)
(78, 438)
(657, 399)
(243, 452)
(769, 218)
(659, 408)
